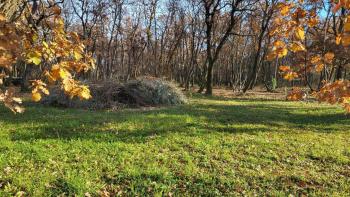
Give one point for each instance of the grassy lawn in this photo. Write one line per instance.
(212, 146)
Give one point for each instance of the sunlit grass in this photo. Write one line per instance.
(212, 146)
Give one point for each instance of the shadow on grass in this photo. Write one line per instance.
(139, 126)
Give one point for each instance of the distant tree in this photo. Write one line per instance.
(215, 39)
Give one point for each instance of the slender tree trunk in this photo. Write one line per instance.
(209, 84)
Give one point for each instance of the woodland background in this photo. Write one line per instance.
(197, 42)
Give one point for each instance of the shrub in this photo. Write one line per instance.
(111, 95)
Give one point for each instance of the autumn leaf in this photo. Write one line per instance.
(338, 40)
(278, 43)
(6, 60)
(296, 47)
(284, 68)
(312, 22)
(299, 33)
(347, 107)
(282, 52)
(336, 92)
(346, 40)
(2, 17)
(61, 54)
(34, 57)
(77, 55)
(56, 10)
(84, 93)
(319, 67)
(328, 57)
(315, 59)
(284, 10)
(296, 94)
(45, 44)
(10, 101)
(347, 26)
(290, 76)
(299, 14)
(36, 96)
(271, 56)
(63, 73)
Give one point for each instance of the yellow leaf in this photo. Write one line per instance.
(282, 52)
(299, 33)
(35, 37)
(297, 46)
(316, 59)
(60, 21)
(45, 44)
(92, 63)
(84, 93)
(284, 10)
(77, 55)
(319, 67)
(290, 76)
(35, 60)
(34, 57)
(36, 97)
(68, 85)
(45, 90)
(64, 73)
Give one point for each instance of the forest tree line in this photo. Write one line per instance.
(195, 42)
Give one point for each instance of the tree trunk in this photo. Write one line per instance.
(209, 84)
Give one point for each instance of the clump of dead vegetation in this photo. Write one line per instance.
(144, 92)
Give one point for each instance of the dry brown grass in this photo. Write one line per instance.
(257, 93)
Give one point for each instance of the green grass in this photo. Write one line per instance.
(212, 147)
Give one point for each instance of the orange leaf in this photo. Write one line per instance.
(346, 40)
(337, 40)
(312, 22)
(2, 17)
(296, 94)
(319, 67)
(290, 76)
(315, 59)
(284, 68)
(328, 57)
